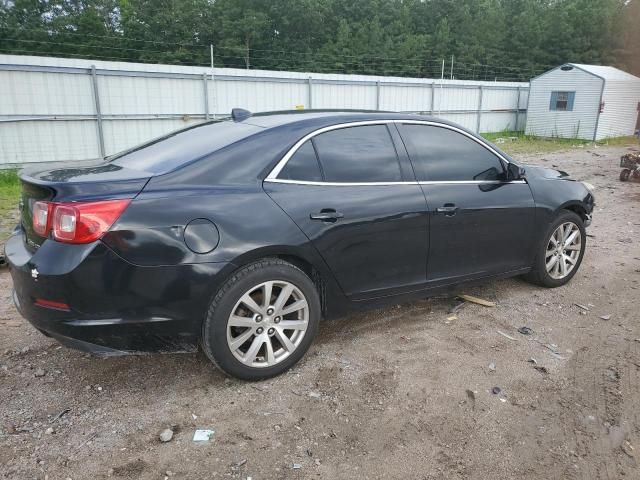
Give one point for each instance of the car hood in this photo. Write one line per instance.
(547, 173)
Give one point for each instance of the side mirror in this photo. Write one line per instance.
(515, 172)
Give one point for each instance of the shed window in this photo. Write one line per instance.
(562, 101)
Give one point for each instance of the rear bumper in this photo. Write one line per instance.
(114, 307)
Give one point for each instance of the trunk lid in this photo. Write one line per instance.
(69, 182)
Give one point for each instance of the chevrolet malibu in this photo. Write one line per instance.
(240, 235)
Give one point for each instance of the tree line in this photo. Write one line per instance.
(477, 39)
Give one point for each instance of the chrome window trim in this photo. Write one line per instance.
(273, 175)
(370, 184)
(336, 184)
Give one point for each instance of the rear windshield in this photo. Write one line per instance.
(178, 148)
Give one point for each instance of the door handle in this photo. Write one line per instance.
(448, 209)
(326, 215)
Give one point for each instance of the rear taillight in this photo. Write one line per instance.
(76, 222)
(41, 214)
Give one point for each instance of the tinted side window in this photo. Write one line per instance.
(303, 165)
(440, 154)
(358, 154)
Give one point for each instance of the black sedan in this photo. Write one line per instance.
(239, 235)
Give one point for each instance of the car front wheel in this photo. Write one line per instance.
(262, 321)
(561, 251)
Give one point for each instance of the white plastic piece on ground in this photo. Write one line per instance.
(203, 435)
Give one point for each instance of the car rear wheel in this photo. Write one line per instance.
(561, 251)
(262, 321)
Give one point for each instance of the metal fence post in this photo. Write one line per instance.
(479, 109)
(433, 97)
(206, 96)
(310, 93)
(377, 94)
(517, 129)
(96, 100)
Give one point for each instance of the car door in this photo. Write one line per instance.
(481, 223)
(357, 200)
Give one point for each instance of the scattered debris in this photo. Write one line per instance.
(60, 415)
(203, 435)
(496, 390)
(49, 431)
(541, 369)
(533, 360)
(297, 466)
(456, 306)
(451, 318)
(240, 463)
(39, 373)
(479, 301)
(583, 307)
(166, 435)
(605, 317)
(506, 336)
(628, 448)
(492, 367)
(525, 330)
(472, 398)
(314, 395)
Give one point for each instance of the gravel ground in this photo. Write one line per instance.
(403, 392)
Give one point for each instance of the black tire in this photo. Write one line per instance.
(214, 331)
(624, 174)
(539, 275)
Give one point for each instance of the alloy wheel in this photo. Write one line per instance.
(267, 324)
(563, 250)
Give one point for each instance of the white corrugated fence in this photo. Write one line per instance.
(54, 109)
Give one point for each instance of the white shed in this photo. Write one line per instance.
(589, 102)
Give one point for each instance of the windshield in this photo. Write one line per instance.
(178, 148)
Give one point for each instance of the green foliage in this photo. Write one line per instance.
(517, 143)
(489, 39)
(9, 197)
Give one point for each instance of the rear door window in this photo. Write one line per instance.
(358, 154)
(303, 165)
(442, 154)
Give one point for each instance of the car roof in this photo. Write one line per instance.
(329, 117)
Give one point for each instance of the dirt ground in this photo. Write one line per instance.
(396, 393)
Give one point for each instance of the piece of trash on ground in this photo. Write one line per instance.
(533, 360)
(451, 318)
(496, 390)
(506, 336)
(457, 306)
(297, 466)
(472, 398)
(492, 367)
(166, 435)
(240, 463)
(525, 330)
(203, 435)
(479, 301)
(541, 369)
(605, 317)
(60, 415)
(582, 306)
